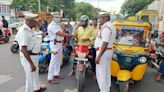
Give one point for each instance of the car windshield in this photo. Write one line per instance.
(130, 37)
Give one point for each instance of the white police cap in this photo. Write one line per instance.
(104, 14)
(56, 14)
(30, 16)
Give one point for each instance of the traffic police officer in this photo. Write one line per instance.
(104, 51)
(56, 35)
(29, 53)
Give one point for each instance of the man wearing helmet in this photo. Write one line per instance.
(104, 50)
(85, 35)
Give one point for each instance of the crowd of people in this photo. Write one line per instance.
(100, 43)
(99, 38)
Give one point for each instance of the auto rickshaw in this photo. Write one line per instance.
(131, 48)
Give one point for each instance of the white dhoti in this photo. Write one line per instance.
(103, 71)
(56, 59)
(32, 78)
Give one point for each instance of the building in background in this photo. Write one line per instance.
(159, 6)
(6, 11)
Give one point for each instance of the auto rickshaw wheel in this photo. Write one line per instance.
(124, 86)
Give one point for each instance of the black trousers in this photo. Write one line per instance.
(92, 52)
(1, 32)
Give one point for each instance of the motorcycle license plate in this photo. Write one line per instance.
(128, 59)
(81, 59)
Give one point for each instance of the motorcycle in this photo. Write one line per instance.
(5, 36)
(81, 52)
(154, 54)
(159, 57)
(44, 56)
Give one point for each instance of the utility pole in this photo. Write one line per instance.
(98, 6)
(161, 7)
(39, 8)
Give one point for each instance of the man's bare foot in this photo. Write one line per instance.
(158, 78)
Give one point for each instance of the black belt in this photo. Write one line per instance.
(106, 49)
(56, 41)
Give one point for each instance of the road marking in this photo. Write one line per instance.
(21, 89)
(5, 78)
(68, 90)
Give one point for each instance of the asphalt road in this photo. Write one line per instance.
(12, 77)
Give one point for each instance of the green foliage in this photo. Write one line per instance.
(71, 9)
(131, 7)
(85, 9)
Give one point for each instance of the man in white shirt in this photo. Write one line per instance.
(29, 54)
(104, 50)
(56, 35)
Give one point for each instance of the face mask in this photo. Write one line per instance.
(57, 20)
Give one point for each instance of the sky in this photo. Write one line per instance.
(107, 5)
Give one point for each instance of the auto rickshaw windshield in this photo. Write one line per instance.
(132, 37)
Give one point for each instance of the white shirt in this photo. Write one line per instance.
(53, 28)
(38, 41)
(106, 34)
(26, 37)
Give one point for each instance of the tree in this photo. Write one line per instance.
(70, 7)
(84, 9)
(131, 7)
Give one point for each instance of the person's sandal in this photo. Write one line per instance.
(58, 77)
(42, 89)
(53, 82)
(71, 73)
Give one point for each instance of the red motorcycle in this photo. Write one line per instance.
(82, 59)
(5, 36)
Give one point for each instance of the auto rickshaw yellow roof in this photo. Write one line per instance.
(146, 12)
(131, 23)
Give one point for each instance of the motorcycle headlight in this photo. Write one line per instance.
(143, 59)
(114, 57)
(81, 55)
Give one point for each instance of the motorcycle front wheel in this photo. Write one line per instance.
(80, 80)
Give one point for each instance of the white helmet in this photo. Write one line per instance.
(84, 18)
